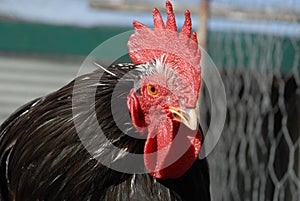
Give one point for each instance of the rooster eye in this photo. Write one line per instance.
(152, 90)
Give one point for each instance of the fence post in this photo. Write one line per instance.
(202, 27)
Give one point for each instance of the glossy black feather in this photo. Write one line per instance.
(42, 157)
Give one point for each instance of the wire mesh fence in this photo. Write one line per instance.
(258, 155)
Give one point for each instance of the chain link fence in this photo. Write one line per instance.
(258, 155)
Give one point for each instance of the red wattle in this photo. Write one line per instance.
(171, 149)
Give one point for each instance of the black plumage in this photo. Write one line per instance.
(43, 158)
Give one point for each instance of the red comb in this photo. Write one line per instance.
(178, 50)
(144, 44)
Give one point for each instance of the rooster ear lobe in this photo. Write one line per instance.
(136, 113)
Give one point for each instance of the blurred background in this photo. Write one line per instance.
(255, 44)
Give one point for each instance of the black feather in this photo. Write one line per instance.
(43, 158)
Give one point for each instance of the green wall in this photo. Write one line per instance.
(227, 49)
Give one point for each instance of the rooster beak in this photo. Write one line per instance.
(186, 116)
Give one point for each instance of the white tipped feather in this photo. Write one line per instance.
(111, 73)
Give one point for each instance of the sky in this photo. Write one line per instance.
(79, 13)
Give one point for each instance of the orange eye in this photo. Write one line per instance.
(152, 90)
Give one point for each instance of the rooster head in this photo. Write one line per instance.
(163, 103)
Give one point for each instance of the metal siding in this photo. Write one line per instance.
(22, 80)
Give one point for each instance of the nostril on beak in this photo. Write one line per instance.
(185, 116)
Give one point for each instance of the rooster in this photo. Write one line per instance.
(43, 156)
